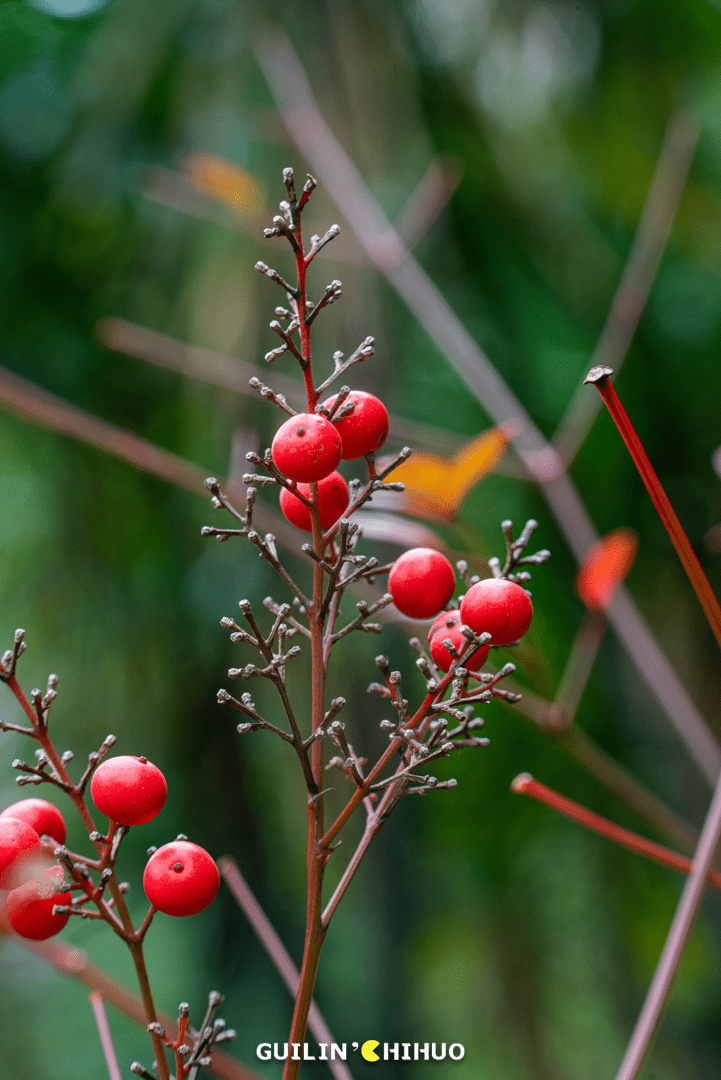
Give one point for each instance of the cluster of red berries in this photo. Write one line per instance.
(180, 878)
(308, 448)
(422, 581)
(24, 868)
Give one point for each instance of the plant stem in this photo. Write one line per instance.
(527, 785)
(317, 857)
(629, 301)
(278, 953)
(674, 528)
(106, 1039)
(681, 927)
(577, 672)
(136, 951)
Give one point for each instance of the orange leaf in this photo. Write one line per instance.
(437, 485)
(218, 178)
(605, 567)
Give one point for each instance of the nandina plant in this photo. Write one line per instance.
(49, 883)
(313, 496)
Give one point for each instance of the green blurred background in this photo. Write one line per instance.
(479, 917)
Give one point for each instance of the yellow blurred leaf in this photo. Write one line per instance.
(230, 185)
(437, 486)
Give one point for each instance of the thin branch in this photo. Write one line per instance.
(30, 402)
(629, 301)
(276, 950)
(608, 771)
(214, 368)
(581, 658)
(681, 927)
(106, 1039)
(229, 373)
(429, 199)
(527, 785)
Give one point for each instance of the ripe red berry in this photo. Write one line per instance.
(41, 815)
(421, 582)
(498, 607)
(30, 908)
(332, 502)
(130, 790)
(306, 448)
(19, 847)
(448, 625)
(181, 878)
(365, 428)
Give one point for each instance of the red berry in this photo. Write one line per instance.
(130, 790)
(181, 878)
(41, 815)
(332, 502)
(497, 607)
(421, 582)
(365, 428)
(448, 625)
(30, 908)
(306, 448)
(19, 846)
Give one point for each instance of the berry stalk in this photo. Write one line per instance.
(316, 858)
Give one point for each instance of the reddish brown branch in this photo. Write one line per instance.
(674, 528)
(526, 785)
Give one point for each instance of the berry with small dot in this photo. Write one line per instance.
(306, 448)
(181, 878)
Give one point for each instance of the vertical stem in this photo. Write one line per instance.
(106, 1039)
(316, 856)
(681, 927)
(136, 951)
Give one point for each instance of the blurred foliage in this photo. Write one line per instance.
(478, 917)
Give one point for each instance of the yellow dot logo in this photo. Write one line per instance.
(368, 1050)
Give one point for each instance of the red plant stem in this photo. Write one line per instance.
(709, 603)
(278, 953)
(40, 733)
(526, 785)
(317, 857)
(106, 1039)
